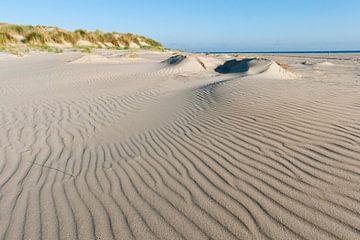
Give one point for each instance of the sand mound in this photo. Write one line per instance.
(94, 58)
(185, 63)
(261, 68)
(324, 64)
(211, 63)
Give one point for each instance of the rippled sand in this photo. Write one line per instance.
(113, 146)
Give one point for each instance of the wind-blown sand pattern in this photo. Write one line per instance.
(105, 148)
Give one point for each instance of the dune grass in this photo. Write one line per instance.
(84, 49)
(60, 36)
(152, 43)
(154, 48)
(16, 29)
(6, 38)
(36, 38)
(14, 50)
(46, 48)
(283, 65)
(41, 36)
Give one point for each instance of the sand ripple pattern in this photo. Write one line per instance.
(236, 159)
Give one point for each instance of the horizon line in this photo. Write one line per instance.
(290, 51)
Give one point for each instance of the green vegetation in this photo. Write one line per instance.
(44, 38)
(46, 48)
(15, 50)
(84, 49)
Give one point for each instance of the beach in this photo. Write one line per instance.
(172, 145)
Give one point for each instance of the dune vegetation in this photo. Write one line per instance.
(6, 38)
(55, 39)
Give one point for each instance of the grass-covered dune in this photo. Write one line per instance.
(26, 37)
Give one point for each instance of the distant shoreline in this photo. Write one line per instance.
(282, 52)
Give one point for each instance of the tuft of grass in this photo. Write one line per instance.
(128, 38)
(153, 48)
(84, 49)
(6, 38)
(283, 65)
(16, 50)
(46, 48)
(152, 42)
(36, 38)
(59, 36)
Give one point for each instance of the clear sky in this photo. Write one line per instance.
(205, 25)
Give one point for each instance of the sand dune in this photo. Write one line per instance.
(93, 58)
(132, 151)
(185, 63)
(261, 68)
(323, 64)
(98, 58)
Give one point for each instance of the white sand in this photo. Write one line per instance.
(108, 148)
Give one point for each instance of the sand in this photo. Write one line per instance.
(179, 146)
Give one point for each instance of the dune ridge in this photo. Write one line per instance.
(130, 151)
(21, 39)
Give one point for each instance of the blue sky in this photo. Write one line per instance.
(206, 25)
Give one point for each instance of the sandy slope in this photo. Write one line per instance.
(108, 148)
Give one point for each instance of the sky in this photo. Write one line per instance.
(205, 25)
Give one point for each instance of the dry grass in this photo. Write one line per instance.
(283, 65)
(60, 36)
(16, 29)
(36, 38)
(41, 36)
(15, 50)
(6, 38)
